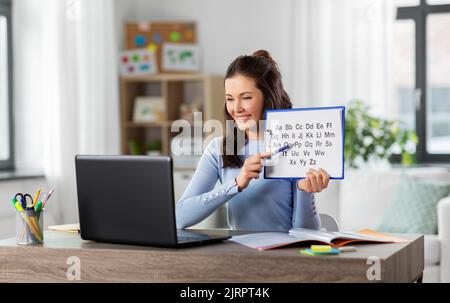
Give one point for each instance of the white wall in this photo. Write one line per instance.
(124, 10)
(226, 29)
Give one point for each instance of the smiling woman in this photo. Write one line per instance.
(252, 85)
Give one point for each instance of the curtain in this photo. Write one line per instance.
(66, 90)
(341, 52)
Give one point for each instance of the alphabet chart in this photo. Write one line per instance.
(316, 136)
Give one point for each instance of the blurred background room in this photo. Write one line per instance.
(110, 77)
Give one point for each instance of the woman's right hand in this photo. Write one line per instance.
(251, 169)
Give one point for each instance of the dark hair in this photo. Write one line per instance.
(264, 70)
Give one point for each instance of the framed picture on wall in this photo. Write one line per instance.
(181, 57)
(149, 109)
(138, 62)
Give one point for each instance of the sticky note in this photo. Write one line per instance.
(189, 34)
(152, 47)
(157, 38)
(321, 248)
(144, 26)
(333, 251)
(307, 252)
(175, 36)
(140, 40)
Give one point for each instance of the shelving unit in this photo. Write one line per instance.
(175, 89)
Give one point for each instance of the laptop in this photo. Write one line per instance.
(130, 200)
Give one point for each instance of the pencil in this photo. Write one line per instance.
(37, 197)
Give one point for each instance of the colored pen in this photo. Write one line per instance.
(39, 206)
(20, 200)
(50, 193)
(14, 201)
(282, 149)
(347, 249)
(23, 202)
(35, 201)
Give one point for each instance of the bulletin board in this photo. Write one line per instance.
(152, 35)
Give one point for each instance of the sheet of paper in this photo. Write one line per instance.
(310, 234)
(317, 139)
(263, 241)
(382, 236)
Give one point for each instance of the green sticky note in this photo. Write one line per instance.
(175, 36)
(307, 252)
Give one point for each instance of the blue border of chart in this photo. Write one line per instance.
(313, 108)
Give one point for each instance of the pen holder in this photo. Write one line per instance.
(29, 227)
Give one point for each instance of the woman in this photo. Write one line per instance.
(252, 85)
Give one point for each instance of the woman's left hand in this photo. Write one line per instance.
(315, 181)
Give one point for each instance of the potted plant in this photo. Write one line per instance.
(368, 137)
(154, 148)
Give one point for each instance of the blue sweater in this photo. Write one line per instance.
(265, 205)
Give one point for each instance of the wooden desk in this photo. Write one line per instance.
(222, 262)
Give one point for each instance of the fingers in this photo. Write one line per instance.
(318, 178)
(306, 185)
(313, 182)
(255, 167)
(325, 177)
(253, 175)
(264, 155)
(255, 160)
(258, 158)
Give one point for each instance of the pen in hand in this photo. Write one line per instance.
(281, 150)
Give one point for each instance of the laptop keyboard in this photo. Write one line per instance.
(186, 236)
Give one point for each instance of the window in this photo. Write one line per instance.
(421, 53)
(6, 131)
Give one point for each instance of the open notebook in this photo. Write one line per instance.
(304, 237)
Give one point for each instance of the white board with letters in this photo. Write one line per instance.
(317, 137)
